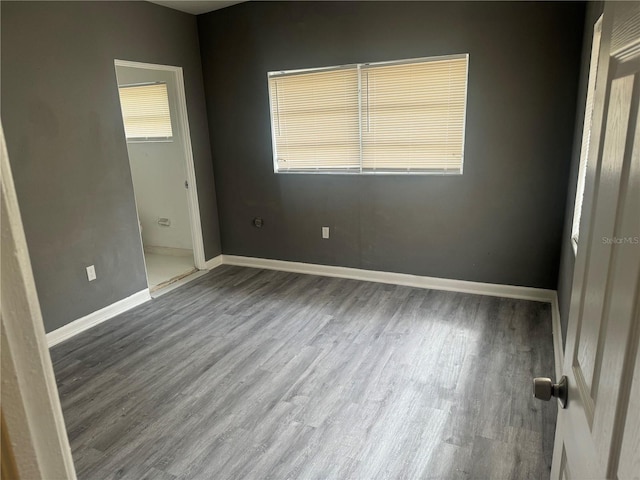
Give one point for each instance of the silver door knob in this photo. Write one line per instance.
(544, 389)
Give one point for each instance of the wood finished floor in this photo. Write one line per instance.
(256, 374)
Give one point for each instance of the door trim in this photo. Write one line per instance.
(32, 419)
(183, 121)
(558, 345)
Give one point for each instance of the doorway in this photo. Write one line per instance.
(154, 113)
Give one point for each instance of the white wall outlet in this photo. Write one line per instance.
(325, 232)
(91, 272)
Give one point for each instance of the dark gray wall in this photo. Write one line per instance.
(501, 222)
(61, 116)
(567, 259)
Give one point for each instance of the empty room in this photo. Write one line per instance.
(320, 240)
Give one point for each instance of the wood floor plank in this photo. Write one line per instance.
(247, 373)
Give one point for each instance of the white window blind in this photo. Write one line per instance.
(145, 111)
(392, 117)
(315, 120)
(413, 115)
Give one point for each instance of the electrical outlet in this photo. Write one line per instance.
(91, 272)
(325, 232)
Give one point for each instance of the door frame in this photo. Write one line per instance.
(35, 443)
(183, 125)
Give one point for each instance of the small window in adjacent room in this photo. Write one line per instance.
(145, 112)
(586, 134)
(404, 116)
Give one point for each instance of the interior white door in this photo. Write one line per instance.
(598, 434)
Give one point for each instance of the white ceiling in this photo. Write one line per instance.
(196, 7)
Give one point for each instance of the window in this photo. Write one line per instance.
(393, 117)
(145, 112)
(586, 134)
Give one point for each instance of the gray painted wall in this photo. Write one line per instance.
(567, 260)
(66, 141)
(501, 222)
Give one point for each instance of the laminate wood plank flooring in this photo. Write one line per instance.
(256, 374)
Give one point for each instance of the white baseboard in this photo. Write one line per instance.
(170, 251)
(80, 325)
(558, 349)
(479, 288)
(214, 262)
(495, 290)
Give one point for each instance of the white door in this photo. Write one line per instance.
(598, 434)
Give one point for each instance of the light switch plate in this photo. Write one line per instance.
(325, 232)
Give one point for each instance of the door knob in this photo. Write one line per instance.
(544, 389)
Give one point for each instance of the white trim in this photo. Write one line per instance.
(479, 288)
(170, 251)
(496, 290)
(586, 134)
(558, 350)
(183, 123)
(214, 262)
(85, 323)
(194, 206)
(463, 286)
(32, 421)
(404, 61)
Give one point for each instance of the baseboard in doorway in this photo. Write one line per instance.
(169, 286)
(85, 323)
(168, 283)
(171, 251)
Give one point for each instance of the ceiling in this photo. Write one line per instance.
(196, 7)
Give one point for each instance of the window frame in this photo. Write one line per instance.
(359, 67)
